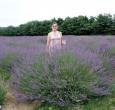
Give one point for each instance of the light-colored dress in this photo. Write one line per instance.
(55, 42)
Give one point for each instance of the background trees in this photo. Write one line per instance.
(81, 25)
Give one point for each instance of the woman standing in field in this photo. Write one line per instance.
(54, 39)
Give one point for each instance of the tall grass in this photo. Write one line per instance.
(3, 91)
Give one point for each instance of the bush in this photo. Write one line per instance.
(61, 80)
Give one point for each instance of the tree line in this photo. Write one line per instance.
(103, 24)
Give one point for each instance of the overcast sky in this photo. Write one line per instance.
(15, 12)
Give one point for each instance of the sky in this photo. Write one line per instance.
(16, 12)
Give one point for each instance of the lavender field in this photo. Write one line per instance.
(91, 49)
(97, 52)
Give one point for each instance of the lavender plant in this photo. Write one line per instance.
(61, 80)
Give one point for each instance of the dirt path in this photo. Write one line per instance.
(11, 104)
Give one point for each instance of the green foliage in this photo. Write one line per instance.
(3, 90)
(4, 75)
(81, 25)
(2, 95)
(62, 80)
(105, 103)
(102, 24)
(7, 61)
(100, 103)
(46, 106)
(6, 64)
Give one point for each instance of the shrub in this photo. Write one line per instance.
(60, 79)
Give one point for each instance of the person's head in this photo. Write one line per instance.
(54, 27)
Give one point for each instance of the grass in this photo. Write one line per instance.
(102, 103)
(106, 103)
(3, 74)
(2, 95)
(46, 106)
(3, 91)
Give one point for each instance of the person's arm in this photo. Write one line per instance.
(48, 40)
